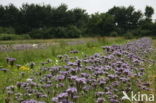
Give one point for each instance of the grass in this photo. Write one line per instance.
(41, 55)
(32, 41)
(151, 71)
(37, 55)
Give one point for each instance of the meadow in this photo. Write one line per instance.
(85, 70)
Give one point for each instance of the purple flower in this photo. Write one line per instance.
(60, 77)
(72, 90)
(62, 95)
(86, 88)
(85, 75)
(11, 61)
(55, 99)
(81, 80)
(111, 76)
(4, 69)
(99, 94)
(100, 100)
(114, 101)
(74, 51)
(32, 101)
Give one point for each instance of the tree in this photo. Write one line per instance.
(9, 15)
(149, 11)
(125, 18)
(101, 24)
(58, 16)
(78, 17)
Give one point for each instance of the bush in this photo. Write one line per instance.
(13, 37)
(47, 33)
(145, 32)
(129, 35)
(114, 34)
(4, 30)
(57, 32)
(73, 32)
(141, 32)
(37, 33)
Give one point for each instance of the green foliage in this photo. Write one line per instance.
(114, 34)
(149, 11)
(9, 15)
(5, 30)
(45, 21)
(129, 35)
(101, 24)
(126, 18)
(57, 32)
(13, 37)
(73, 32)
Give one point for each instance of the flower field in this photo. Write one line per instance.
(93, 72)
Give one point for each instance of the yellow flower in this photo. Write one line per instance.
(24, 68)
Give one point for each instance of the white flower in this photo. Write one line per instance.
(56, 61)
(29, 80)
(35, 45)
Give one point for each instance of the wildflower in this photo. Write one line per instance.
(99, 94)
(74, 51)
(49, 60)
(11, 61)
(34, 45)
(55, 100)
(4, 70)
(32, 64)
(32, 101)
(60, 77)
(19, 84)
(71, 90)
(25, 68)
(100, 100)
(60, 85)
(114, 101)
(86, 88)
(29, 80)
(56, 61)
(10, 88)
(81, 80)
(18, 66)
(62, 95)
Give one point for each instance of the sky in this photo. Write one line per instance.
(91, 6)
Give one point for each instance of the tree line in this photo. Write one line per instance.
(45, 21)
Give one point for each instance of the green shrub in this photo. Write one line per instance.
(57, 32)
(129, 35)
(141, 32)
(4, 30)
(73, 32)
(145, 32)
(37, 33)
(13, 37)
(114, 34)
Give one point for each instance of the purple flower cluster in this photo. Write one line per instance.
(101, 77)
(10, 61)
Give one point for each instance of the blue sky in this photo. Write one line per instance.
(91, 6)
